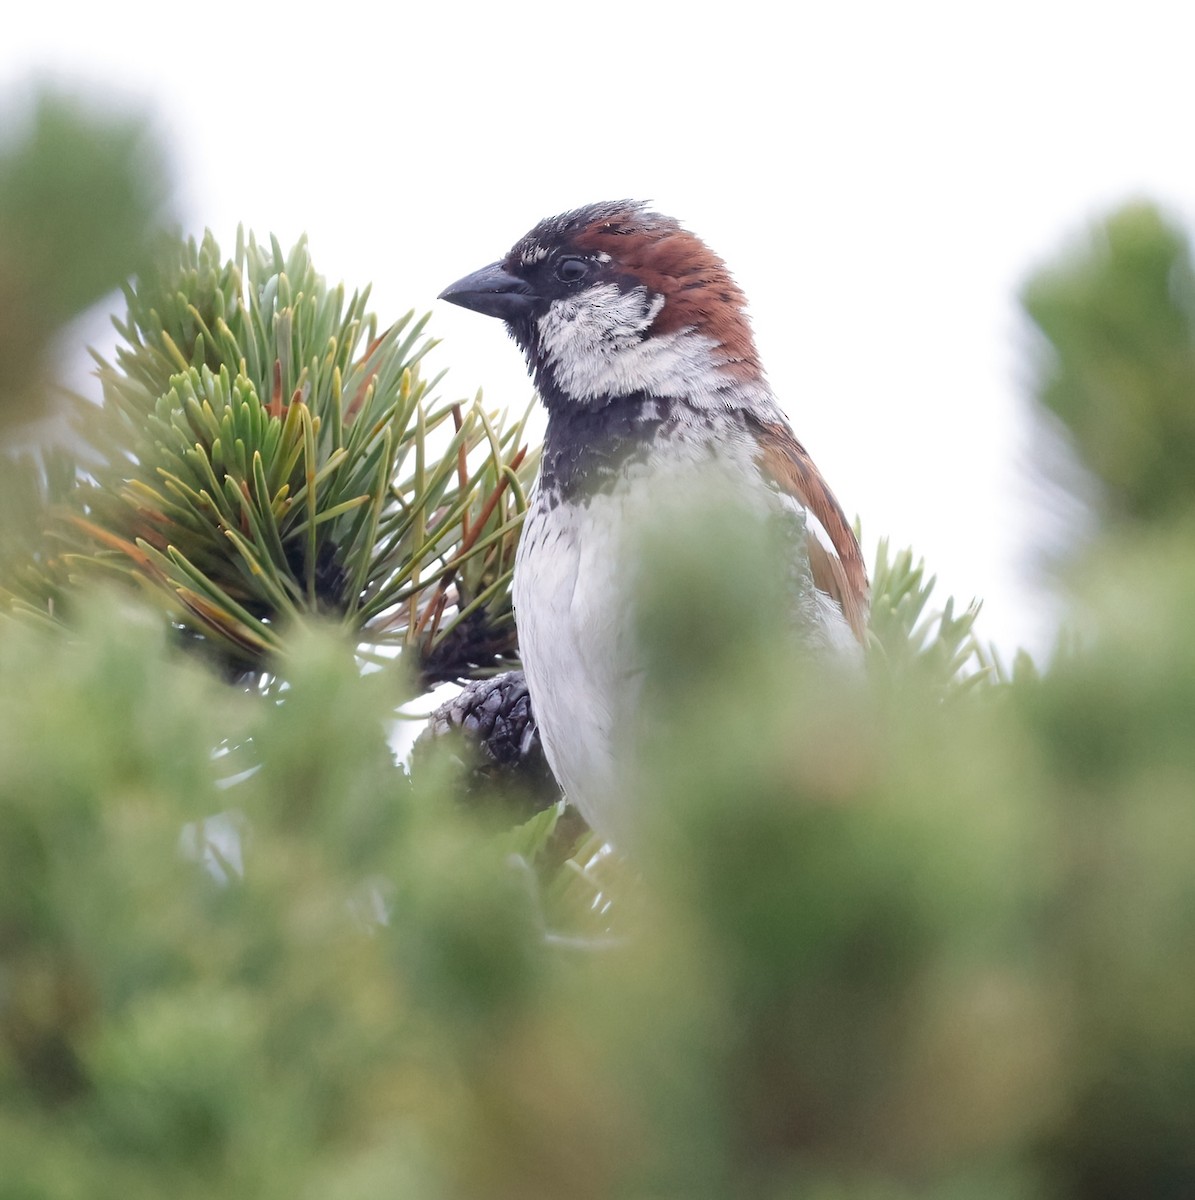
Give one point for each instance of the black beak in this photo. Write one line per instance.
(492, 291)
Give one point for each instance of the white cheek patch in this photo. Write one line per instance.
(595, 344)
(600, 320)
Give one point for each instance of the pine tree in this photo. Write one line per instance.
(927, 931)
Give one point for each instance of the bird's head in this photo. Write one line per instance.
(613, 300)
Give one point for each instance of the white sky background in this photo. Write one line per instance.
(880, 177)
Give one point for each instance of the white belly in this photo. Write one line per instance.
(577, 646)
(573, 588)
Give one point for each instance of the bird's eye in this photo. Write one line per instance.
(571, 270)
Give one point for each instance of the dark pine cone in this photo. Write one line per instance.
(493, 717)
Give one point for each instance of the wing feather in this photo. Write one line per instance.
(838, 569)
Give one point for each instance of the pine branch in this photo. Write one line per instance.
(909, 636)
(263, 455)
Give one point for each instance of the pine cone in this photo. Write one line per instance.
(494, 720)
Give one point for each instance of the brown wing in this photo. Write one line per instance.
(841, 574)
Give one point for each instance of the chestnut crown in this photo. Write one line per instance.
(589, 288)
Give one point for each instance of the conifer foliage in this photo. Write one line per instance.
(267, 454)
(923, 930)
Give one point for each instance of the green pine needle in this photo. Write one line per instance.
(907, 635)
(263, 454)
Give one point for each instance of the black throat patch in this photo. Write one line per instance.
(588, 449)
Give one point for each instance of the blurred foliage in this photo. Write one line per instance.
(33, 483)
(81, 195)
(924, 930)
(1118, 366)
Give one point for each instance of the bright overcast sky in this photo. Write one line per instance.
(879, 176)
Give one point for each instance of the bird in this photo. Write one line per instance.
(640, 347)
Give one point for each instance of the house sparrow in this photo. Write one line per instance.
(640, 348)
